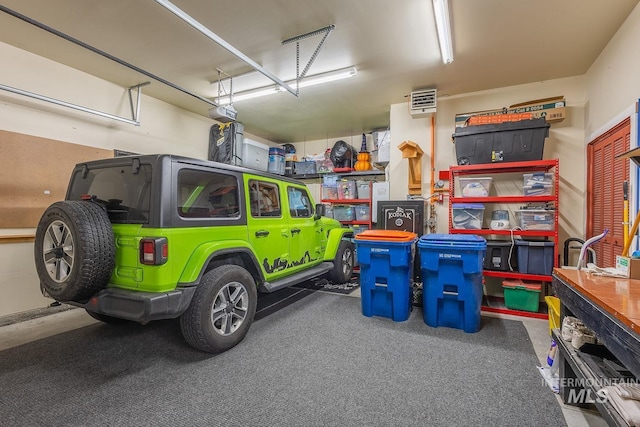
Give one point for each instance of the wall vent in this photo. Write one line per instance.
(423, 102)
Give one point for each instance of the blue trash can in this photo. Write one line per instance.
(451, 266)
(386, 269)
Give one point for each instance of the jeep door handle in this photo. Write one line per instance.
(295, 231)
(262, 233)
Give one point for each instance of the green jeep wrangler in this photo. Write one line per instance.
(142, 238)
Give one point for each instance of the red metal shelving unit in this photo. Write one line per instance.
(355, 202)
(503, 168)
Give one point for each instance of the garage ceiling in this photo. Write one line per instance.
(393, 44)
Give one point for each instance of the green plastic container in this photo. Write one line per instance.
(519, 295)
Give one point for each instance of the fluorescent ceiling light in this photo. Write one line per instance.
(254, 93)
(443, 25)
(316, 79)
(329, 76)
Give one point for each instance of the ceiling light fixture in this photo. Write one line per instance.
(313, 80)
(250, 94)
(443, 26)
(329, 76)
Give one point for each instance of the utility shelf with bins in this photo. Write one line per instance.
(355, 199)
(359, 199)
(548, 233)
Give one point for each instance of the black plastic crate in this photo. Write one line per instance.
(504, 142)
(498, 254)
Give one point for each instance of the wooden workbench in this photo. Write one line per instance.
(610, 307)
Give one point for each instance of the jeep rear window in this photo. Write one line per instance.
(125, 194)
(203, 194)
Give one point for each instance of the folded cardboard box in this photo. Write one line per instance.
(462, 119)
(552, 109)
(630, 267)
(498, 118)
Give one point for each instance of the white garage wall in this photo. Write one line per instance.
(406, 128)
(163, 128)
(612, 82)
(19, 281)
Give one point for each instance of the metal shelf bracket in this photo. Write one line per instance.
(134, 112)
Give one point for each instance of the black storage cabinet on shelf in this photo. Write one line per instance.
(505, 142)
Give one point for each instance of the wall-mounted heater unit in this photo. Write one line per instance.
(423, 102)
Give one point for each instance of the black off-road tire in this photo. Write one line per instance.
(74, 250)
(343, 263)
(221, 310)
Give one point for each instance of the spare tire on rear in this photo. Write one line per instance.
(74, 250)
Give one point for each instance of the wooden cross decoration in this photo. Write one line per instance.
(413, 152)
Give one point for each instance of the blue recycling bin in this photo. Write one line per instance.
(451, 267)
(386, 270)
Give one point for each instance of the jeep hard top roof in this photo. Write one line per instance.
(167, 158)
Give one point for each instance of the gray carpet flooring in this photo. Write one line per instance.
(316, 362)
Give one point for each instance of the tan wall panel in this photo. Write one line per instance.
(34, 172)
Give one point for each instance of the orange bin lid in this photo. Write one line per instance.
(517, 283)
(387, 235)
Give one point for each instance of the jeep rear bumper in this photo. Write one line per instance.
(140, 307)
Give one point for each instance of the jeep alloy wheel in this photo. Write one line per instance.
(58, 254)
(221, 310)
(343, 264)
(229, 308)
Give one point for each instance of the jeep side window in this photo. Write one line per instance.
(203, 194)
(264, 199)
(299, 203)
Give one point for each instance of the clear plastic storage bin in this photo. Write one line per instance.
(305, 168)
(362, 213)
(544, 178)
(475, 186)
(329, 192)
(536, 219)
(344, 213)
(346, 190)
(467, 216)
(538, 189)
(363, 189)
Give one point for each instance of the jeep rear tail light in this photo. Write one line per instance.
(154, 250)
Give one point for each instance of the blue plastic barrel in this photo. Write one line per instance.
(386, 266)
(451, 267)
(276, 160)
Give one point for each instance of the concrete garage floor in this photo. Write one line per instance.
(21, 329)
